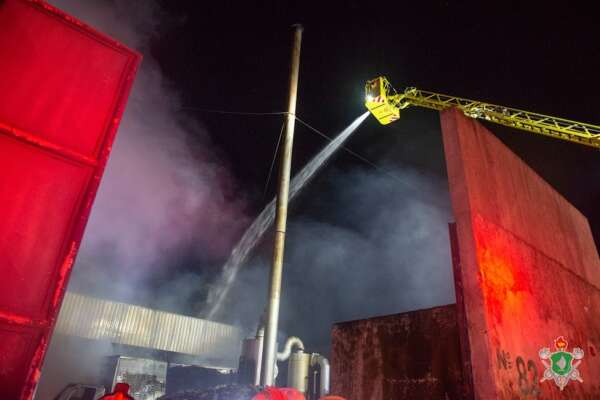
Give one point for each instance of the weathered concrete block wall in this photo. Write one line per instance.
(528, 266)
(414, 355)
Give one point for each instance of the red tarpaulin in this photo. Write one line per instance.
(64, 87)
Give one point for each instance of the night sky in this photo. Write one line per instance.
(359, 244)
(228, 56)
(234, 56)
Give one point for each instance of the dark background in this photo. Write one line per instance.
(540, 57)
(234, 56)
(361, 243)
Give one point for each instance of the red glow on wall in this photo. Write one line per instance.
(502, 271)
(526, 265)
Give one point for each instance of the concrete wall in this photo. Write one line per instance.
(413, 355)
(529, 270)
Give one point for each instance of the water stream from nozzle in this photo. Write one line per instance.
(263, 222)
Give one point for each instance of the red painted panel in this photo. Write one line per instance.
(528, 267)
(44, 190)
(64, 87)
(17, 348)
(46, 94)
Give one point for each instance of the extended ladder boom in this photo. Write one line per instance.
(560, 128)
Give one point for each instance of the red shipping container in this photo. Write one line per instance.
(64, 87)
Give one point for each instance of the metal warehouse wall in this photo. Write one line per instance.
(528, 266)
(217, 345)
(414, 355)
(88, 330)
(64, 87)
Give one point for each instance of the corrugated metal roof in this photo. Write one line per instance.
(133, 325)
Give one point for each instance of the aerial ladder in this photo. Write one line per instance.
(382, 100)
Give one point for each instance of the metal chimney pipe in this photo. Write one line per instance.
(293, 341)
(270, 350)
(260, 338)
(324, 375)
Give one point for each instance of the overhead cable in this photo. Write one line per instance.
(233, 112)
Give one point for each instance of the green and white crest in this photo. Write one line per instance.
(561, 365)
(561, 362)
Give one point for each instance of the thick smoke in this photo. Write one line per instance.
(166, 198)
(164, 194)
(380, 248)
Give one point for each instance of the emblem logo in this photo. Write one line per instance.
(561, 366)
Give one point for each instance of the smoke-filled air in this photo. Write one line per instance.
(283, 207)
(168, 199)
(382, 249)
(255, 232)
(167, 195)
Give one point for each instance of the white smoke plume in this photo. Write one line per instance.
(166, 189)
(381, 247)
(166, 197)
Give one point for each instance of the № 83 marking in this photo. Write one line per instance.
(527, 387)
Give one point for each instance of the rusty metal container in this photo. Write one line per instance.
(414, 355)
